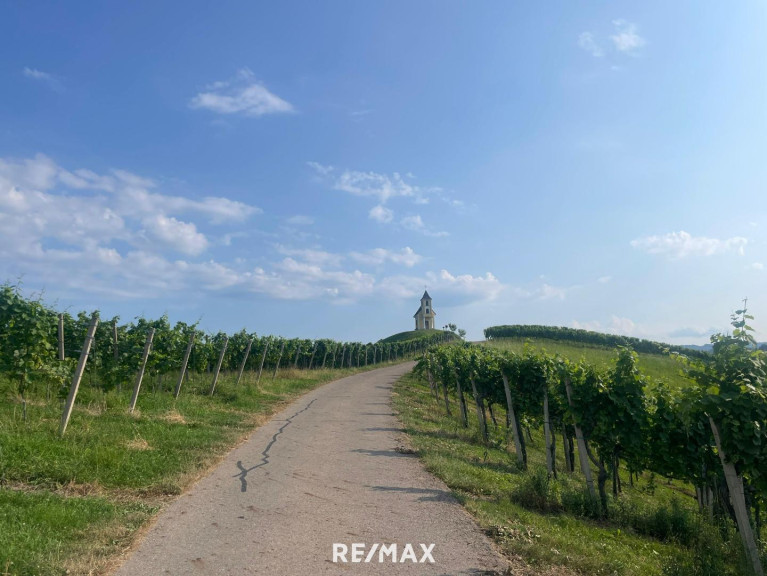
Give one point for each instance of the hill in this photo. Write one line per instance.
(580, 336)
(419, 335)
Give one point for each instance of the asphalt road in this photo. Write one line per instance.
(327, 470)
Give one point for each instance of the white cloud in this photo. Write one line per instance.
(312, 256)
(380, 186)
(50, 80)
(380, 213)
(241, 95)
(623, 326)
(36, 74)
(405, 257)
(626, 38)
(413, 223)
(47, 211)
(487, 287)
(124, 236)
(604, 279)
(681, 244)
(549, 292)
(383, 187)
(416, 224)
(182, 236)
(300, 220)
(617, 325)
(586, 42)
(757, 266)
(321, 169)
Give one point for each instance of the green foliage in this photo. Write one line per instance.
(588, 337)
(631, 421)
(733, 392)
(553, 521)
(429, 336)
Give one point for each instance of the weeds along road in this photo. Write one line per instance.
(327, 470)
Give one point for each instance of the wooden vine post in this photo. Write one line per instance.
(547, 434)
(516, 432)
(142, 368)
(244, 360)
(78, 376)
(295, 360)
(116, 351)
(263, 358)
(461, 401)
(738, 499)
(184, 365)
(279, 357)
(582, 454)
(218, 366)
(61, 337)
(480, 412)
(314, 350)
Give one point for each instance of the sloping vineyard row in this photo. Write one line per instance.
(712, 434)
(40, 347)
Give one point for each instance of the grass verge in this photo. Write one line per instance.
(72, 505)
(653, 530)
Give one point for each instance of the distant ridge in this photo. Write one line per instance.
(589, 337)
(430, 334)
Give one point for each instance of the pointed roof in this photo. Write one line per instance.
(425, 296)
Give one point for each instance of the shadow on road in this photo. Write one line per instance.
(389, 453)
(429, 494)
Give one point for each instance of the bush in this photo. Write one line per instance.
(538, 490)
(708, 555)
(579, 502)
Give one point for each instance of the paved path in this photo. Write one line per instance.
(323, 471)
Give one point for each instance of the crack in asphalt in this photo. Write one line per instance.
(265, 454)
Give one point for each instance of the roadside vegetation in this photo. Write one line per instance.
(420, 336)
(584, 462)
(72, 499)
(73, 504)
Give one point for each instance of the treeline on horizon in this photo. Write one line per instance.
(589, 337)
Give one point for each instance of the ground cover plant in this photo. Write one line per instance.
(596, 468)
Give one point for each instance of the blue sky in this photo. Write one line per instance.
(306, 168)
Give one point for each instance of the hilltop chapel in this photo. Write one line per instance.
(424, 317)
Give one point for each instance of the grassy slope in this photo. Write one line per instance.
(489, 484)
(659, 368)
(74, 503)
(413, 335)
(497, 493)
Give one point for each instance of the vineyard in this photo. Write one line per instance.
(40, 348)
(599, 436)
(151, 413)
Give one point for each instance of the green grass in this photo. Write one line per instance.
(658, 367)
(654, 529)
(41, 533)
(69, 503)
(417, 335)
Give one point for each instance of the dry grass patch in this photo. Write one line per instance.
(138, 444)
(174, 417)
